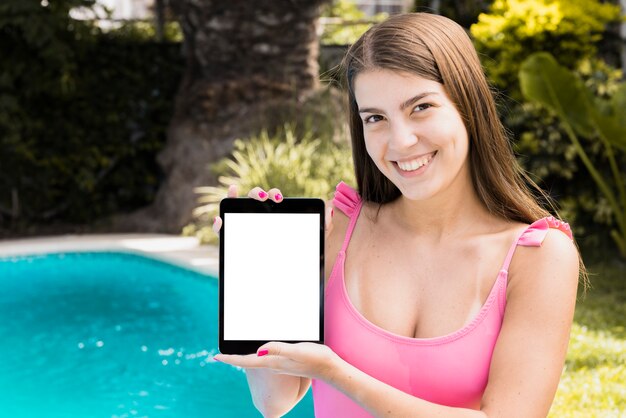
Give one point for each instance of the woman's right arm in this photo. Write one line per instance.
(276, 394)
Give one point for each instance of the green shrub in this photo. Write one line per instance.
(146, 31)
(547, 153)
(82, 115)
(547, 83)
(305, 166)
(571, 31)
(513, 29)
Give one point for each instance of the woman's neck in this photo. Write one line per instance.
(448, 214)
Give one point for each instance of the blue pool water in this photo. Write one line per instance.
(113, 335)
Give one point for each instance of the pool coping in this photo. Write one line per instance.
(186, 252)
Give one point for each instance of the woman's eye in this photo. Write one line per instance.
(373, 119)
(421, 107)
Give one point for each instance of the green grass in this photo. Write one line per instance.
(594, 379)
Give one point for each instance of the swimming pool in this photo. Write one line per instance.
(113, 334)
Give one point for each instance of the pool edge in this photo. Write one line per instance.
(184, 252)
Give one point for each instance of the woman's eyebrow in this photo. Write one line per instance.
(415, 99)
(403, 106)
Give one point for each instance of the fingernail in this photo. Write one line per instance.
(332, 212)
(278, 196)
(262, 353)
(216, 359)
(262, 194)
(214, 219)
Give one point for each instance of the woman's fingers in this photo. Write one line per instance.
(258, 194)
(275, 195)
(217, 221)
(330, 211)
(247, 361)
(217, 225)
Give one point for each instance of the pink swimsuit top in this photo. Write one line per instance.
(448, 370)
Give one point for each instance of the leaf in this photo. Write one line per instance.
(543, 80)
(615, 130)
(612, 128)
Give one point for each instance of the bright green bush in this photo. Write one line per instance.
(305, 166)
(513, 29)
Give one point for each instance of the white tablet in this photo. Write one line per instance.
(271, 279)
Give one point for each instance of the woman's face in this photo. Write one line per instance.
(413, 132)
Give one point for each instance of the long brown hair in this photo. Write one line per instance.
(438, 49)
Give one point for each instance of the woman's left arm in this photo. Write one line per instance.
(527, 361)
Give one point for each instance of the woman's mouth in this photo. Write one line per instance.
(417, 164)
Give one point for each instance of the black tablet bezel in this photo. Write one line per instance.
(247, 205)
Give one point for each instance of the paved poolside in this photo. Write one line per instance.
(184, 251)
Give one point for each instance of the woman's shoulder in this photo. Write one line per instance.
(546, 256)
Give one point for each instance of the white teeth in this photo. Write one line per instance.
(415, 164)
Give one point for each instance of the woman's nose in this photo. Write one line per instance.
(403, 135)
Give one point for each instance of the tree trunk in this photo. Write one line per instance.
(622, 32)
(245, 62)
(159, 19)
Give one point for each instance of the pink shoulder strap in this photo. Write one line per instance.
(534, 235)
(346, 199)
(349, 202)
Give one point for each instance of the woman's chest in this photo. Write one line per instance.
(445, 366)
(420, 292)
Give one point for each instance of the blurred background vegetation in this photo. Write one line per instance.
(85, 110)
(82, 115)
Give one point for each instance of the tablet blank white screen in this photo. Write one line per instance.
(271, 276)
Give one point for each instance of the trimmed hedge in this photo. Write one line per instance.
(82, 116)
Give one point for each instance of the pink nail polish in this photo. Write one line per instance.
(216, 359)
(262, 353)
(278, 196)
(332, 212)
(262, 194)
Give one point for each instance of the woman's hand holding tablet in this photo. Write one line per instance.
(271, 270)
(275, 372)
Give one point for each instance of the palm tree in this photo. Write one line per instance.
(246, 61)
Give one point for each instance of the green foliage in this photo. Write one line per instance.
(146, 31)
(544, 81)
(592, 384)
(463, 12)
(570, 30)
(513, 29)
(346, 32)
(305, 166)
(547, 153)
(82, 115)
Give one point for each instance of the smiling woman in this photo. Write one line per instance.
(408, 140)
(449, 290)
